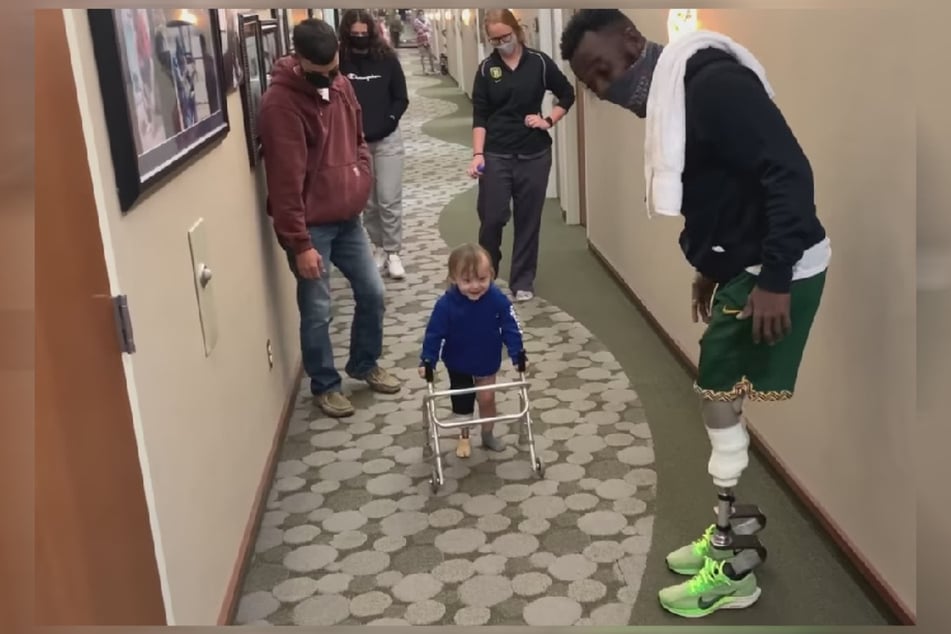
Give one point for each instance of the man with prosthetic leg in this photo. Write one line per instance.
(719, 153)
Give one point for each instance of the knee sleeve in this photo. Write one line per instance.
(729, 456)
(729, 442)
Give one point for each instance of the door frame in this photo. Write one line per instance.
(95, 556)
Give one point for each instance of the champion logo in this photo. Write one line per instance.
(355, 77)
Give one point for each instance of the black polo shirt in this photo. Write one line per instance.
(502, 98)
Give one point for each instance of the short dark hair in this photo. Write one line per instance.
(315, 41)
(587, 20)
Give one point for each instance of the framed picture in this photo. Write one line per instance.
(272, 44)
(255, 79)
(283, 18)
(162, 91)
(231, 70)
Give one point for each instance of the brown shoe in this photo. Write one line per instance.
(334, 404)
(382, 381)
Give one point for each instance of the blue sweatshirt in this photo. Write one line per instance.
(471, 333)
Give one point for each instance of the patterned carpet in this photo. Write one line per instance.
(352, 534)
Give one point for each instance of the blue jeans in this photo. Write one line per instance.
(345, 246)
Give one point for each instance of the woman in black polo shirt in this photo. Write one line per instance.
(511, 146)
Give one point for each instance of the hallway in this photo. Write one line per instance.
(352, 534)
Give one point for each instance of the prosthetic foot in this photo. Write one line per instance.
(723, 559)
(463, 447)
(744, 519)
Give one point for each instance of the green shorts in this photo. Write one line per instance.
(732, 366)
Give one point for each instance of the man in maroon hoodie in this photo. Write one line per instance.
(318, 179)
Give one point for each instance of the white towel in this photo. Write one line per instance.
(665, 134)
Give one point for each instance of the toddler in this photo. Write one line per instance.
(470, 322)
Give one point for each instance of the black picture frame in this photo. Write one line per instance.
(271, 40)
(162, 108)
(231, 68)
(283, 17)
(255, 80)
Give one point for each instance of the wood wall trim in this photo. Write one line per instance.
(229, 605)
(881, 588)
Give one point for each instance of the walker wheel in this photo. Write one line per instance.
(433, 486)
(539, 468)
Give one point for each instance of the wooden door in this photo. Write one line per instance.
(580, 96)
(94, 555)
(582, 175)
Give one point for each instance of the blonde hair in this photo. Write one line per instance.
(506, 17)
(467, 259)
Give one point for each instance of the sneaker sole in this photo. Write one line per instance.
(385, 389)
(726, 603)
(334, 413)
(687, 572)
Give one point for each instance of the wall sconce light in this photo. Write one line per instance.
(681, 21)
(185, 15)
(466, 16)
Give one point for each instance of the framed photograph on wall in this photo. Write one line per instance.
(255, 79)
(283, 18)
(231, 70)
(270, 35)
(162, 91)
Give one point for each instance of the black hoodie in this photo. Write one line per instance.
(747, 184)
(380, 86)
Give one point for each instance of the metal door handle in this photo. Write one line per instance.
(204, 275)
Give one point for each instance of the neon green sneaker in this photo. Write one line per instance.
(710, 590)
(688, 560)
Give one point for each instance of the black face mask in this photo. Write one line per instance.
(630, 90)
(319, 80)
(360, 43)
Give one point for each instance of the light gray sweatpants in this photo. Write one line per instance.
(383, 217)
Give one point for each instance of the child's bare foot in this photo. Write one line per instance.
(463, 449)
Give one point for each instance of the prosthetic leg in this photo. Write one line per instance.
(736, 525)
(723, 559)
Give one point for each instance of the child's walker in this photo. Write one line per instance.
(432, 424)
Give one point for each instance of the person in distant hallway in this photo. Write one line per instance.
(511, 145)
(317, 165)
(396, 26)
(719, 152)
(424, 31)
(376, 75)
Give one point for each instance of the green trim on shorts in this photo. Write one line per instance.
(732, 366)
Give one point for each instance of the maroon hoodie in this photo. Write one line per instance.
(315, 157)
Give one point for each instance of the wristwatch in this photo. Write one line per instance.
(551, 124)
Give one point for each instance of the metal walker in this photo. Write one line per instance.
(432, 424)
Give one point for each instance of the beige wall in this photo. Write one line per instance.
(846, 436)
(470, 52)
(205, 424)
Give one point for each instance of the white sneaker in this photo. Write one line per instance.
(394, 266)
(524, 296)
(379, 258)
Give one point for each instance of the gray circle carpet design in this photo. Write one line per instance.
(352, 533)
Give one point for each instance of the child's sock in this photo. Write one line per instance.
(489, 441)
